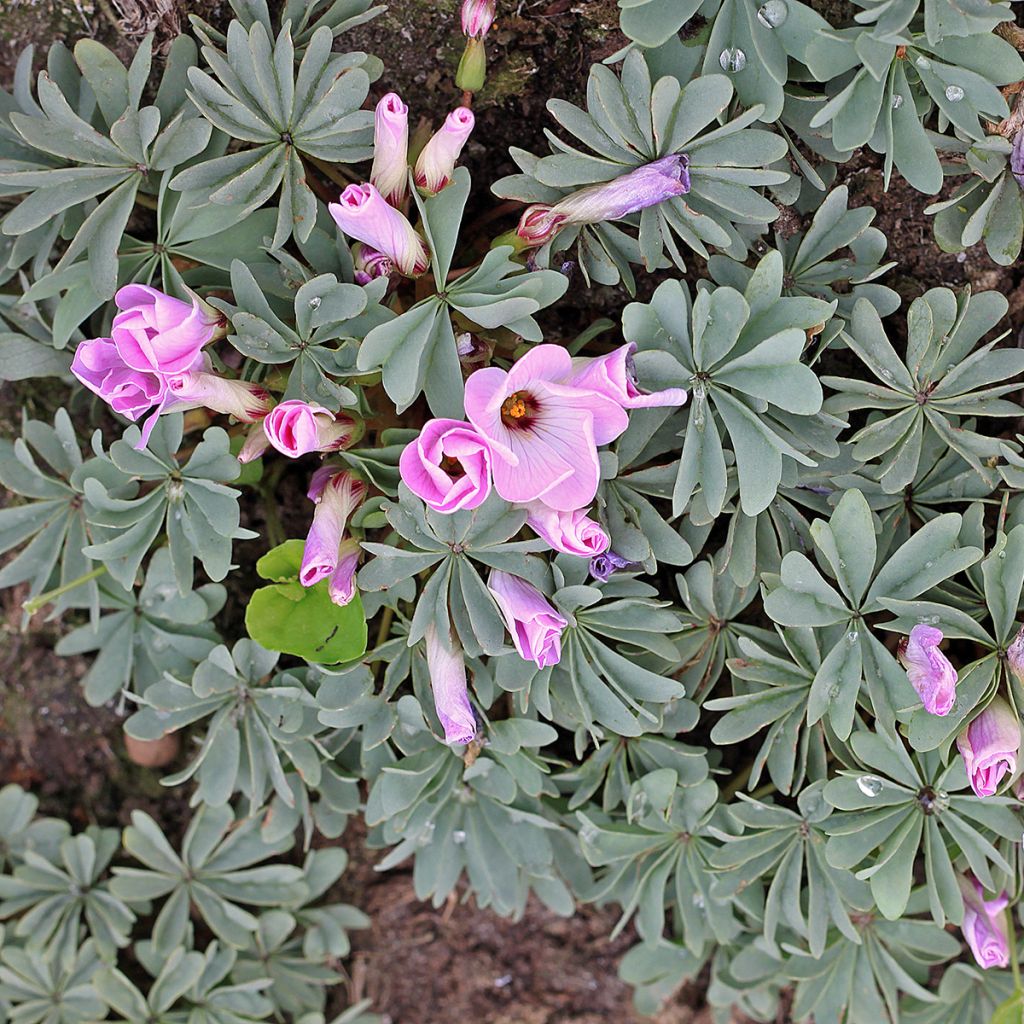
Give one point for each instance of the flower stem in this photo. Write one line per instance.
(36, 603)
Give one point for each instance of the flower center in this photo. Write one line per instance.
(516, 409)
(452, 466)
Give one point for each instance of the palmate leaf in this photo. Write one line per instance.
(966, 995)
(39, 990)
(286, 113)
(890, 19)
(21, 830)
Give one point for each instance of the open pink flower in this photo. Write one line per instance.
(535, 625)
(629, 193)
(543, 434)
(928, 669)
(984, 926)
(614, 375)
(448, 466)
(390, 171)
(447, 669)
(990, 745)
(573, 533)
(99, 366)
(341, 588)
(296, 427)
(364, 214)
(436, 163)
(337, 494)
(159, 334)
(246, 401)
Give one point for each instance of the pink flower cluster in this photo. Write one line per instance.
(153, 360)
(372, 212)
(329, 553)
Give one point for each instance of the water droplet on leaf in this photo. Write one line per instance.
(733, 60)
(897, 101)
(954, 93)
(458, 837)
(870, 785)
(772, 13)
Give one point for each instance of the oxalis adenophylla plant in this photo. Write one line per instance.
(710, 612)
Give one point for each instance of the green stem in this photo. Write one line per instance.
(737, 783)
(33, 605)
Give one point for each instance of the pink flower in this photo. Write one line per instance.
(989, 745)
(337, 494)
(369, 263)
(614, 375)
(573, 533)
(364, 214)
(436, 163)
(612, 200)
(99, 366)
(928, 669)
(296, 427)
(390, 171)
(984, 926)
(535, 625)
(246, 401)
(448, 683)
(342, 586)
(448, 466)
(543, 434)
(477, 17)
(1014, 654)
(158, 334)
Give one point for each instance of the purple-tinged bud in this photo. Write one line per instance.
(342, 585)
(928, 669)
(296, 427)
(474, 351)
(646, 186)
(984, 926)
(436, 163)
(989, 746)
(535, 625)
(246, 401)
(1017, 158)
(337, 494)
(364, 214)
(390, 171)
(472, 70)
(604, 566)
(1015, 657)
(477, 17)
(369, 263)
(572, 533)
(447, 669)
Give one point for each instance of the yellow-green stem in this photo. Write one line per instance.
(34, 605)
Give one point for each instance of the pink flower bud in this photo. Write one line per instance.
(448, 683)
(246, 401)
(99, 366)
(477, 17)
(989, 745)
(296, 427)
(436, 163)
(471, 73)
(535, 625)
(255, 445)
(646, 186)
(337, 494)
(369, 263)
(928, 669)
(364, 214)
(342, 586)
(984, 926)
(390, 171)
(1014, 655)
(573, 533)
(614, 375)
(448, 466)
(159, 334)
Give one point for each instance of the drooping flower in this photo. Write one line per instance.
(436, 162)
(989, 745)
(99, 366)
(341, 588)
(296, 427)
(369, 263)
(535, 624)
(364, 214)
(448, 466)
(477, 17)
(543, 434)
(246, 401)
(160, 334)
(447, 669)
(390, 171)
(614, 375)
(604, 566)
(612, 200)
(337, 494)
(984, 926)
(928, 669)
(573, 533)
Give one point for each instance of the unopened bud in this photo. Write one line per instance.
(472, 69)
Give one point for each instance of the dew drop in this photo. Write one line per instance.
(426, 836)
(852, 637)
(869, 785)
(588, 834)
(458, 837)
(314, 303)
(698, 900)
(733, 60)
(772, 13)
(923, 63)
(954, 93)
(897, 101)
